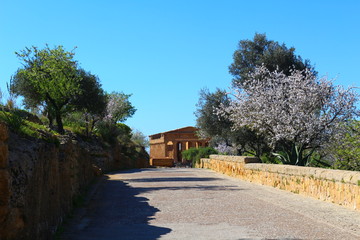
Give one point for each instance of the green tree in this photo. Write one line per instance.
(48, 78)
(219, 127)
(209, 123)
(261, 51)
(346, 150)
(140, 139)
(92, 102)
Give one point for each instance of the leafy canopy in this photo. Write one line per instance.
(118, 108)
(261, 51)
(346, 148)
(50, 80)
(48, 76)
(220, 128)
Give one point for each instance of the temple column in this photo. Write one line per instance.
(175, 150)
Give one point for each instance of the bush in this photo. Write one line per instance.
(195, 154)
(190, 154)
(13, 119)
(75, 122)
(112, 133)
(346, 151)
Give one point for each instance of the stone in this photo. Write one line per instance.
(4, 187)
(337, 186)
(4, 135)
(4, 154)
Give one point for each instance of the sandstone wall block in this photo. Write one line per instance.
(336, 186)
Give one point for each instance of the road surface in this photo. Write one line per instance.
(185, 203)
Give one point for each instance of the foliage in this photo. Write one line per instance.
(16, 121)
(48, 78)
(190, 153)
(346, 149)
(261, 51)
(112, 133)
(209, 123)
(9, 114)
(220, 128)
(269, 158)
(92, 103)
(75, 122)
(118, 108)
(319, 159)
(13, 119)
(140, 139)
(296, 113)
(195, 154)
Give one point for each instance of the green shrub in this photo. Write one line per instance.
(17, 123)
(195, 154)
(75, 122)
(112, 133)
(346, 150)
(13, 119)
(190, 154)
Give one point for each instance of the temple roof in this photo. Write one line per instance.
(189, 129)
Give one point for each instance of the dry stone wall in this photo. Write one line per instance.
(39, 181)
(336, 186)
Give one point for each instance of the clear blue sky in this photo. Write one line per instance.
(164, 52)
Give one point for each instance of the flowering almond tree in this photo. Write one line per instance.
(296, 113)
(118, 108)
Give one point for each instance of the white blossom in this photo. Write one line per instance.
(298, 108)
(224, 148)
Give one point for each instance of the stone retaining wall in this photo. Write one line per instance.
(336, 186)
(41, 181)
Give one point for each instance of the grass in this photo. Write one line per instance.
(28, 128)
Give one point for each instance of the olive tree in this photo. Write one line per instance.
(92, 102)
(261, 51)
(48, 78)
(297, 113)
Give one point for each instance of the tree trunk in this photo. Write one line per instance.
(59, 122)
(51, 120)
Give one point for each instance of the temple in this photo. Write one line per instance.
(166, 147)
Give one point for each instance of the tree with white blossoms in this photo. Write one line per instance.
(118, 108)
(297, 113)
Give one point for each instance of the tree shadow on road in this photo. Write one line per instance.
(115, 212)
(174, 179)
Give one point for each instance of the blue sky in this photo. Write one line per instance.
(164, 52)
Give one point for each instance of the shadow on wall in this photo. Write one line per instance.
(115, 213)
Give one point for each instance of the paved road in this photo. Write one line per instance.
(183, 203)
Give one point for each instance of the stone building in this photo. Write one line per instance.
(166, 147)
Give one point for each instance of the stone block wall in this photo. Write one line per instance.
(40, 181)
(162, 162)
(336, 186)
